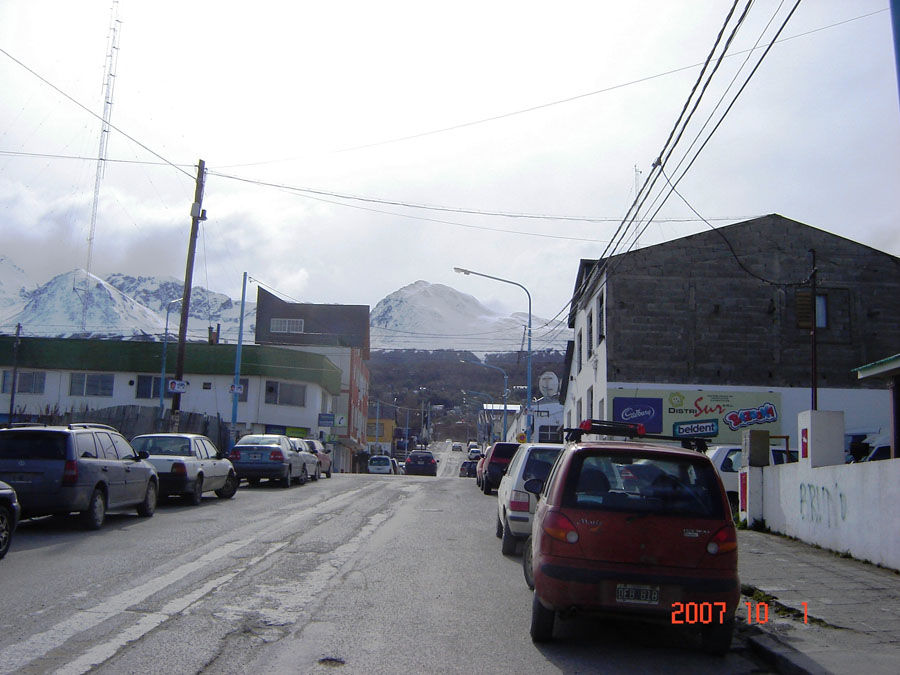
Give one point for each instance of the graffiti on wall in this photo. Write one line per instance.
(822, 505)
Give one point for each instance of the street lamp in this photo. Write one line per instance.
(505, 388)
(162, 376)
(528, 422)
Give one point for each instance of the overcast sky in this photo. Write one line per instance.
(387, 101)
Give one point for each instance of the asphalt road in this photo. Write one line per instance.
(353, 574)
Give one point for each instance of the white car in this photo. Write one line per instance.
(728, 458)
(322, 453)
(188, 465)
(515, 506)
(380, 464)
(474, 453)
(310, 460)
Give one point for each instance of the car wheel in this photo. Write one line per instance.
(95, 513)
(303, 476)
(527, 569)
(287, 479)
(477, 482)
(542, 620)
(196, 495)
(6, 530)
(485, 486)
(508, 541)
(328, 473)
(315, 475)
(146, 508)
(228, 490)
(716, 638)
(499, 528)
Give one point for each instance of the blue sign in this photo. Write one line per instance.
(646, 411)
(326, 419)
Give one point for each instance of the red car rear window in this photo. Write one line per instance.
(661, 484)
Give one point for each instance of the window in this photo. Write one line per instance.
(26, 382)
(148, 387)
(285, 325)
(578, 341)
(84, 445)
(590, 334)
(122, 447)
(578, 411)
(804, 309)
(91, 384)
(600, 322)
(107, 448)
(589, 411)
(284, 393)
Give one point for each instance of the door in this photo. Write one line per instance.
(137, 473)
(112, 469)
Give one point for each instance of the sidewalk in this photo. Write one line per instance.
(853, 608)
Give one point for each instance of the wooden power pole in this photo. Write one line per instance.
(198, 213)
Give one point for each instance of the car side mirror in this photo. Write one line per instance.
(143, 454)
(534, 485)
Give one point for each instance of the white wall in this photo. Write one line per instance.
(847, 508)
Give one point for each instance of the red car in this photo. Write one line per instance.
(491, 467)
(634, 530)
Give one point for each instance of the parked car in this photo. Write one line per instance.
(479, 470)
(728, 458)
(515, 506)
(665, 545)
(475, 453)
(322, 453)
(310, 459)
(457, 447)
(88, 468)
(495, 462)
(467, 469)
(380, 464)
(269, 456)
(395, 466)
(188, 465)
(9, 517)
(422, 463)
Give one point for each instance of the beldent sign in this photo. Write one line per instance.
(719, 415)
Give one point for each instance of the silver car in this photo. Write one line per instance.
(271, 456)
(188, 465)
(310, 459)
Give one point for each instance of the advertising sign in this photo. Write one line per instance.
(695, 412)
(326, 419)
(646, 411)
(176, 386)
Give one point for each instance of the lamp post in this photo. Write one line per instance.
(505, 388)
(162, 375)
(461, 270)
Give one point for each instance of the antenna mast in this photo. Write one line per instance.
(109, 84)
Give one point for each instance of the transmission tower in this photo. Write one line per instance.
(109, 84)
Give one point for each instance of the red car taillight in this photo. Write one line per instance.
(70, 472)
(276, 456)
(235, 455)
(723, 541)
(179, 468)
(557, 526)
(432, 461)
(518, 501)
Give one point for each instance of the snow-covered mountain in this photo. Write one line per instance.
(79, 304)
(421, 316)
(433, 316)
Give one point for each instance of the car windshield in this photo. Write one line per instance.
(664, 485)
(163, 445)
(258, 440)
(32, 445)
(539, 463)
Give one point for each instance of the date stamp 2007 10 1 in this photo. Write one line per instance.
(714, 612)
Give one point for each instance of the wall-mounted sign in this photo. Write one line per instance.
(700, 428)
(176, 386)
(326, 419)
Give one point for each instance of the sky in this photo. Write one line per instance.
(324, 127)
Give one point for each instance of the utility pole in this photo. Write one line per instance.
(814, 365)
(15, 372)
(198, 213)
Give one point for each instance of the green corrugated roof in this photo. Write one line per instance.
(146, 357)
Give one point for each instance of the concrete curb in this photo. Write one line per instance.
(784, 658)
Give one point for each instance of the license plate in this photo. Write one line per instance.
(254, 455)
(640, 595)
